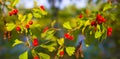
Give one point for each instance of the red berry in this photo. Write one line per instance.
(109, 33)
(99, 22)
(45, 29)
(80, 16)
(67, 35)
(18, 28)
(36, 57)
(27, 26)
(10, 13)
(14, 11)
(103, 19)
(93, 23)
(31, 22)
(42, 7)
(35, 42)
(98, 16)
(109, 29)
(61, 53)
(71, 37)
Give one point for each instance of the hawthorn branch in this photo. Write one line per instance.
(4, 20)
(27, 38)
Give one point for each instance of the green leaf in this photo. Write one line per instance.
(43, 12)
(48, 34)
(15, 2)
(70, 50)
(20, 16)
(29, 17)
(10, 26)
(98, 27)
(87, 23)
(50, 48)
(36, 10)
(98, 34)
(24, 55)
(61, 41)
(107, 6)
(53, 23)
(67, 25)
(44, 56)
(36, 15)
(24, 17)
(17, 42)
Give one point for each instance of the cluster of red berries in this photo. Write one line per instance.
(99, 20)
(61, 53)
(35, 42)
(45, 29)
(35, 57)
(26, 26)
(13, 12)
(109, 31)
(42, 7)
(68, 36)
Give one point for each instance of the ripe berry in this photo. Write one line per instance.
(80, 16)
(27, 26)
(45, 29)
(36, 57)
(15, 11)
(61, 53)
(35, 42)
(71, 38)
(100, 19)
(10, 13)
(109, 29)
(42, 7)
(18, 28)
(67, 35)
(31, 22)
(109, 33)
(99, 22)
(93, 23)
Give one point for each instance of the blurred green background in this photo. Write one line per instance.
(61, 11)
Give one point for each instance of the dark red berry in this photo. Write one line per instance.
(31, 22)
(36, 57)
(99, 22)
(71, 38)
(100, 19)
(42, 7)
(80, 16)
(61, 53)
(14, 11)
(93, 23)
(35, 42)
(45, 29)
(10, 13)
(18, 28)
(27, 26)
